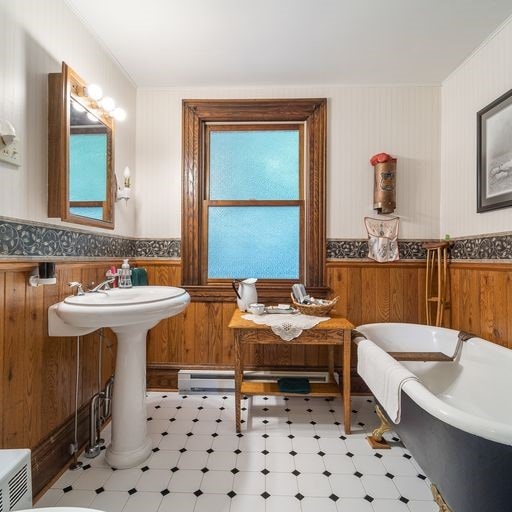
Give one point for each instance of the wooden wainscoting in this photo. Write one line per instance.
(37, 378)
(37, 372)
(481, 297)
(369, 292)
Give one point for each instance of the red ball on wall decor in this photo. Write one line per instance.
(381, 158)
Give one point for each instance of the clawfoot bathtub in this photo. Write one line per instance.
(456, 419)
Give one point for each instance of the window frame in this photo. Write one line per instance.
(197, 116)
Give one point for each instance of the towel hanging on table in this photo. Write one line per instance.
(382, 239)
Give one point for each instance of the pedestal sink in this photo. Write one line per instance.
(130, 313)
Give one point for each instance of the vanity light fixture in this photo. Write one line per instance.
(105, 104)
(124, 192)
(94, 92)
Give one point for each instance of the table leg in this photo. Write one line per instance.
(238, 378)
(347, 343)
(331, 362)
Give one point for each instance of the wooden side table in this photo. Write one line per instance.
(336, 331)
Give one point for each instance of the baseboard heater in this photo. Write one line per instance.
(223, 381)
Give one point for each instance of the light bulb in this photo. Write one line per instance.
(108, 104)
(92, 117)
(78, 107)
(119, 114)
(126, 174)
(94, 92)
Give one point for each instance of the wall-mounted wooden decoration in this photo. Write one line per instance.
(384, 187)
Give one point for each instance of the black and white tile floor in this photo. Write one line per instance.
(292, 457)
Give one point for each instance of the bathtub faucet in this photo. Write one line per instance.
(465, 336)
(462, 337)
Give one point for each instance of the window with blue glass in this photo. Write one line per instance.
(254, 201)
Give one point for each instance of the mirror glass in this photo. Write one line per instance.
(88, 163)
(81, 179)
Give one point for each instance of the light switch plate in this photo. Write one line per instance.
(11, 153)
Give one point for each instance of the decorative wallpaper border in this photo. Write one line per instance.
(38, 240)
(494, 247)
(157, 248)
(27, 239)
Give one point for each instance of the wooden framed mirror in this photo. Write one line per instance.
(81, 178)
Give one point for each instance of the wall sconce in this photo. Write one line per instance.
(104, 103)
(7, 133)
(9, 144)
(124, 192)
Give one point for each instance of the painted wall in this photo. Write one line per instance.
(35, 37)
(482, 78)
(403, 121)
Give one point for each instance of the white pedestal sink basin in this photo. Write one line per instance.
(130, 313)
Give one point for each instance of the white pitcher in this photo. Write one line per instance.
(246, 293)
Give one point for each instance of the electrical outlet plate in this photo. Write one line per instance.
(11, 153)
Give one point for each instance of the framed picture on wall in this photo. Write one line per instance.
(494, 155)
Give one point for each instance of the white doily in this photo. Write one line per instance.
(287, 327)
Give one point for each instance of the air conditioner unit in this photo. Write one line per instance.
(220, 381)
(15, 480)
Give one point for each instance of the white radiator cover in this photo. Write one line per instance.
(15, 480)
(223, 381)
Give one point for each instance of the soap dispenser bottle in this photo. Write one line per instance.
(125, 279)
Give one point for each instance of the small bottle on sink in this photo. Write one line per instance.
(125, 279)
(112, 272)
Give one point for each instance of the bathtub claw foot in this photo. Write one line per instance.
(376, 440)
(443, 507)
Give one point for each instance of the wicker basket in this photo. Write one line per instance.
(314, 309)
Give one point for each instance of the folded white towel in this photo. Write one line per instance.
(384, 375)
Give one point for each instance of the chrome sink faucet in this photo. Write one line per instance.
(105, 285)
(78, 286)
(98, 288)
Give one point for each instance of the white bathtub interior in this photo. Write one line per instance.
(470, 392)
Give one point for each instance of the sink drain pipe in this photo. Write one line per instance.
(100, 407)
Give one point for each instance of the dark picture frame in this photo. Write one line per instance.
(494, 155)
